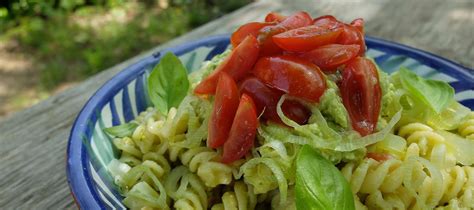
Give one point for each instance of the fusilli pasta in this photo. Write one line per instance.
(431, 145)
(241, 198)
(466, 129)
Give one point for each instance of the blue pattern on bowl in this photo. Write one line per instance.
(125, 96)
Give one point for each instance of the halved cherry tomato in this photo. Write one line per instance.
(327, 21)
(380, 157)
(268, 47)
(329, 57)
(292, 75)
(352, 35)
(295, 111)
(359, 24)
(266, 100)
(225, 106)
(237, 64)
(247, 29)
(274, 17)
(306, 38)
(361, 94)
(242, 134)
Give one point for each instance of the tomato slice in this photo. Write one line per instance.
(225, 106)
(275, 17)
(306, 38)
(237, 65)
(361, 94)
(329, 57)
(292, 75)
(268, 47)
(266, 100)
(247, 29)
(352, 35)
(242, 134)
(327, 21)
(359, 24)
(295, 111)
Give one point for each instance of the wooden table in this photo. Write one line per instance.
(33, 142)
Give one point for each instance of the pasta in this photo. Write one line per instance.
(430, 144)
(186, 189)
(203, 161)
(241, 198)
(466, 129)
(394, 184)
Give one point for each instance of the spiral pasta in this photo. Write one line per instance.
(431, 145)
(241, 198)
(186, 189)
(466, 129)
(394, 184)
(458, 186)
(204, 161)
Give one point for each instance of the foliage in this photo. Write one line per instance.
(73, 39)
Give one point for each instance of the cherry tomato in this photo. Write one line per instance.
(295, 111)
(380, 157)
(268, 47)
(237, 64)
(243, 130)
(329, 57)
(359, 24)
(292, 75)
(352, 35)
(266, 100)
(361, 94)
(225, 106)
(306, 38)
(327, 21)
(274, 17)
(247, 29)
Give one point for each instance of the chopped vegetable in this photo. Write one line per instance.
(225, 106)
(242, 134)
(122, 130)
(237, 65)
(292, 75)
(361, 94)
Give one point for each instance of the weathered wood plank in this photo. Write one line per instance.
(33, 142)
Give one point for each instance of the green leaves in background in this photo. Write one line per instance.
(433, 93)
(319, 184)
(122, 130)
(168, 83)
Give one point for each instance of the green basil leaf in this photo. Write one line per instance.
(122, 130)
(319, 184)
(433, 93)
(168, 83)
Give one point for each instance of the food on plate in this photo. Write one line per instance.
(295, 116)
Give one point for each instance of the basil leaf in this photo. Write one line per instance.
(168, 83)
(319, 184)
(122, 130)
(433, 93)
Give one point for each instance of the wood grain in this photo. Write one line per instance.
(33, 142)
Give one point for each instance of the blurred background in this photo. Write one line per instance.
(47, 46)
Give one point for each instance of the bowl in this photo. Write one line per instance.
(125, 95)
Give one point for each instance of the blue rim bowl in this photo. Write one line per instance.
(82, 175)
